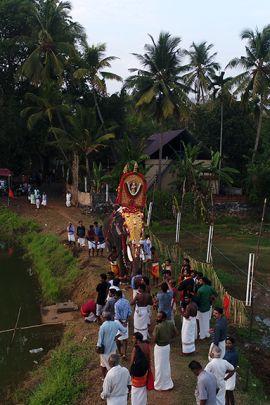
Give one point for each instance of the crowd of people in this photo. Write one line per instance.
(93, 238)
(37, 198)
(157, 300)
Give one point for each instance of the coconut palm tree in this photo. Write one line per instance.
(158, 86)
(220, 87)
(54, 38)
(254, 81)
(93, 63)
(48, 107)
(200, 68)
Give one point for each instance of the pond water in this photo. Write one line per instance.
(19, 288)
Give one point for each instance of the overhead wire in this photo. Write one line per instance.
(229, 260)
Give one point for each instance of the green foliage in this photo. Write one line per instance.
(56, 268)
(60, 379)
(158, 87)
(12, 224)
(162, 207)
(201, 68)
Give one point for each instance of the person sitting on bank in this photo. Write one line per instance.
(88, 311)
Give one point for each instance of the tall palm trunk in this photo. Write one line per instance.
(87, 166)
(258, 134)
(75, 177)
(220, 140)
(98, 109)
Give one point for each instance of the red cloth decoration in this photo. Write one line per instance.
(10, 193)
(226, 305)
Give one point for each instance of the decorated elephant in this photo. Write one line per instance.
(124, 228)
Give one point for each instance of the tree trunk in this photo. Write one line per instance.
(98, 109)
(75, 177)
(220, 141)
(258, 134)
(87, 166)
(160, 160)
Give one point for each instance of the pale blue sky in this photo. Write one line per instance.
(124, 24)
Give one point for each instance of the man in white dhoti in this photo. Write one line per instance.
(219, 332)
(117, 383)
(44, 200)
(205, 295)
(68, 199)
(71, 233)
(222, 370)
(142, 302)
(163, 333)
(231, 356)
(189, 328)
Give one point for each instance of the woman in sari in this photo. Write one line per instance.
(140, 365)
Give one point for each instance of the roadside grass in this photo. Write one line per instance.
(55, 266)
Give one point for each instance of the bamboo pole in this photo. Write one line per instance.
(32, 326)
(15, 328)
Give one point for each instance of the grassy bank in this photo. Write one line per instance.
(54, 265)
(58, 380)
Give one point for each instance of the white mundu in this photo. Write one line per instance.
(163, 380)
(188, 334)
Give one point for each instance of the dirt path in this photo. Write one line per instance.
(54, 219)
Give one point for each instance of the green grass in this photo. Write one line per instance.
(59, 378)
(54, 265)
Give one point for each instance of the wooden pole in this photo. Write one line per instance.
(32, 326)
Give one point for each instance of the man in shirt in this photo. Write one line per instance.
(102, 290)
(205, 392)
(219, 332)
(81, 234)
(222, 370)
(163, 333)
(71, 233)
(110, 303)
(205, 296)
(164, 300)
(117, 383)
(122, 313)
(106, 339)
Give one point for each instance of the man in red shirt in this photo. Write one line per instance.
(88, 311)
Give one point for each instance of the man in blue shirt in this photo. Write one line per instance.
(106, 339)
(164, 300)
(123, 311)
